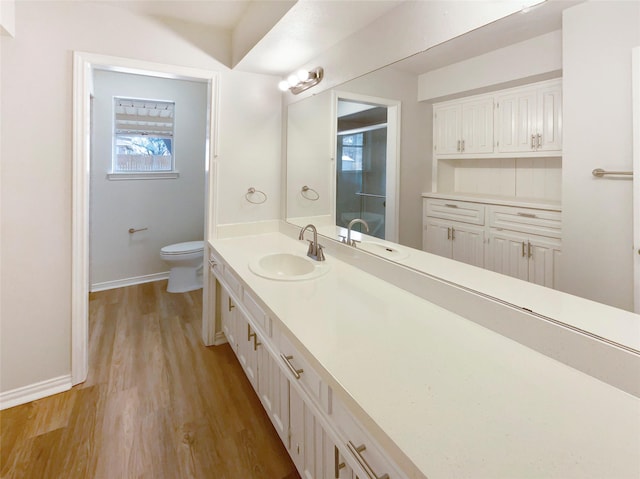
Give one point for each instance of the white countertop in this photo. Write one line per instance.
(535, 203)
(456, 399)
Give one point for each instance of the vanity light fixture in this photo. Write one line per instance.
(302, 80)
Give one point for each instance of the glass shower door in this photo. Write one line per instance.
(361, 178)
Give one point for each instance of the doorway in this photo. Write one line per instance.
(367, 158)
(84, 66)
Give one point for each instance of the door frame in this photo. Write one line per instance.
(84, 65)
(392, 223)
(635, 101)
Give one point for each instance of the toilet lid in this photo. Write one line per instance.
(182, 248)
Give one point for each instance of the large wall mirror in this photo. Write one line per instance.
(320, 145)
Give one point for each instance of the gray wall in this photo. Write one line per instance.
(171, 209)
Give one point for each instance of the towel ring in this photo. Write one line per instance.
(305, 189)
(252, 191)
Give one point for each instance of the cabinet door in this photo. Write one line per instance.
(447, 129)
(228, 319)
(247, 351)
(508, 254)
(550, 118)
(273, 389)
(468, 243)
(477, 126)
(516, 121)
(437, 237)
(542, 253)
(302, 424)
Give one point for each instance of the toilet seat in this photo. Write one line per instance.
(183, 248)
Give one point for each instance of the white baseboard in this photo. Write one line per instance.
(29, 393)
(121, 283)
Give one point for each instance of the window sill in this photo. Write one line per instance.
(146, 175)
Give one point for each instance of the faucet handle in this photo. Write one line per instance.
(320, 253)
(343, 238)
(355, 242)
(310, 250)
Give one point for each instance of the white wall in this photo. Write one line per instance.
(533, 57)
(171, 209)
(597, 213)
(36, 161)
(310, 157)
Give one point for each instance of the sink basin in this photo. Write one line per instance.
(288, 267)
(384, 250)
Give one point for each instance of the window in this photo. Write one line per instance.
(351, 151)
(143, 136)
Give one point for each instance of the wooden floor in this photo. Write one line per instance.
(157, 403)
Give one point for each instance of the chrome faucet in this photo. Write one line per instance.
(315, 249)
(348, 239)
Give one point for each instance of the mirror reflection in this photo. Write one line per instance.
(486, 175)
(361, 165)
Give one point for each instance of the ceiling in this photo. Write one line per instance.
(275, 36)
(224, 14)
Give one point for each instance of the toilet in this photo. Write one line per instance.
(185, 261)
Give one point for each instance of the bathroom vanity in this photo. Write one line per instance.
(364, 377)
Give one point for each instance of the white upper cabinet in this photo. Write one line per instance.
(525, 119)
(477, 126)
(463, 127)
(529, 119)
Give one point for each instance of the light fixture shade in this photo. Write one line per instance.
(292, 80)
(283, 85)
(302, 80)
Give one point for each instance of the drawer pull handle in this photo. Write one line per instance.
(523, 253)
(253, 335)
(287, 360)
(449, 205)
(231, 305)
(527, 215)
(212, 263)
(337, 465)
(357, 452)
(249, 333)
(533, 142)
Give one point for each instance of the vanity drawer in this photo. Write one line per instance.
(299, 369)
(232, 281)
(215, 263)
(364, 453)
(256, 311)
(455, 210)
(526, 220)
